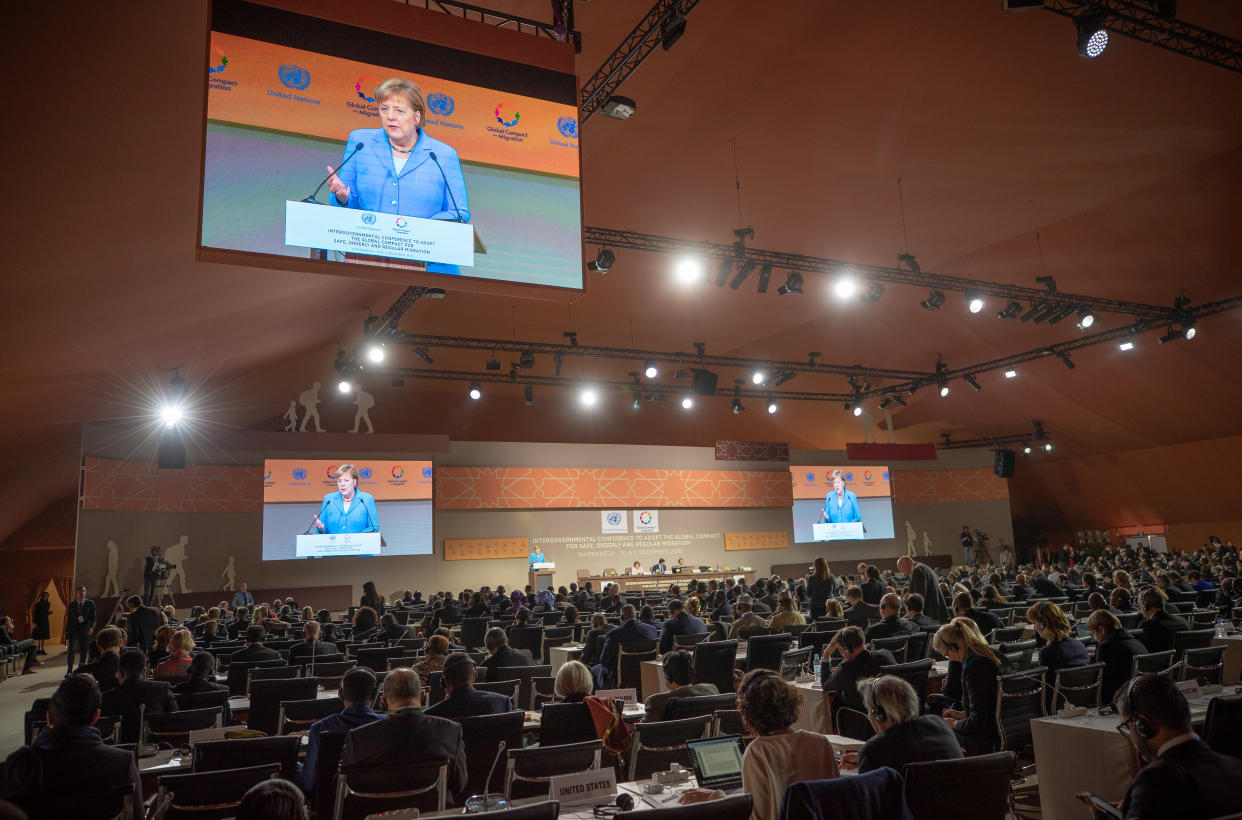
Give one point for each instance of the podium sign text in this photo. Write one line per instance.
(324, 545)
(347, 230)
(833, 532)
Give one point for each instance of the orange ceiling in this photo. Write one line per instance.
(1127, 166)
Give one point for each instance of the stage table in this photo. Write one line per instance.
(660, 583)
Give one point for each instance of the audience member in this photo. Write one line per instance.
(593, 641)
(357, 694)
(433, 661)
(786, 614)
(975, 723)
(679, 622)
(902, 734)
(254, 649)
(1115, 648)
(860, 613)
(79, 628)
(176, 666)
(573, 682)
(133, 691)
(859, 662)
(311, 646)
(143, 621)
(631, 629)
(461, 699)
(891, 624)
(104, 668)
(272, 799)
(1158, 625)
(679, 683)
(500, 654)
(914, 612)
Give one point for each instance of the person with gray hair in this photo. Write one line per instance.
(408, 736)
(679, 680)
(902, 734)
(500, 654)
(746, 618)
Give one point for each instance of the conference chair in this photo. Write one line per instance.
(713, 663)
(298, 716)
(528, 771)
(917, 644)
(1205, 663)
(796, 629)
(551, 618)
(545, 810)
(689, 641)
(529, 638)
(656, 745)
(1077, 686)
(208, 795)
(698, 705)
(542, 690)
(174, 728)
(410, 644)
(1020, 699)
(1203, 619)
(216, 755)
(482, 736)
(1222, 727)
(728, 722)
(1154, 663)
(555, 637)
(815, 640)
(329, 674)
(980, 786)
(272, 673)
(239, 674)
(630, 657)
(202, 700)
(472, 632)
(1130, 620)
(1006, 634)
(736, 807)
(563, 724)
(524, 675)
(748, 633)
(376, 658)
(1191, 639)
(112, 803)
(914, 673)
(896, 645)
(323, 799)
(765, 651)
(267, 695)
(1017, 646)
(369, 789)
(508, 688)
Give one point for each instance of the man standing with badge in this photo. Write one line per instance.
(79, 627)
(968, 543)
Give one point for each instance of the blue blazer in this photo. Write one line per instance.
(419, 190)
(361, 517)
(849, 509)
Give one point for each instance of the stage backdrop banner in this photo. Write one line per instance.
(948, 486)
(816, 482)
(477, 548)
(613, 522)
(141, 486)
(303, 480)
(777, 539)
(510, 488)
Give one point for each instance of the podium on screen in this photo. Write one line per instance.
(845, 531)
(378, 238)
(328, 545)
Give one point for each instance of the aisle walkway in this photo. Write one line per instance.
(19, 691)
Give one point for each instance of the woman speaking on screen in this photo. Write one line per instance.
(348, 509)
(841, 505)
(400, 168)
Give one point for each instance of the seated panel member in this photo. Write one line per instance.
(348, 509)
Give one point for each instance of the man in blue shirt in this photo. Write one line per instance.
(242, 597)
(537, 557)
(358, 689)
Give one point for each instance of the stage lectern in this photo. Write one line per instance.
(541, 575)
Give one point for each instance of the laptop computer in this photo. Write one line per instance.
(717, 762)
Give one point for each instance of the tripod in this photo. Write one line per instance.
(161, 590)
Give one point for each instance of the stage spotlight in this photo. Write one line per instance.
(900, 400)
(765, 275)
(588, 397)
(748, 267)
(345, 386)
(651, 369)
(974, 301)
(1047, 446)
(528, 394)
(771, 406)
(1092, 36)
(637, 402)
(1188, 330)
(1026, 448)
(526, 359)
(1011, 311)
(375, 353)
(170, 414)
(885, 402)
(572, 337)
(722, 275)
(603, 261)
(858, 411)
(873, 293)
(933, 301)
(1047, 312)
(688, 270)
(737, 407)
(557, 361)
(944, 390)
(782, 377)
(687, 402)
(793, 284)
(845, 287)
(424, 354)
(1011, 373)
(672, 27)
(1030, 313)
(492, 363)
(758, 376)
(914, 388)
(476, 391)
(941, 381)
(1058, 316)
(1065, 359)
(1085, 318)
(973, 382)
(1126, 345)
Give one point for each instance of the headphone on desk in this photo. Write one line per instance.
(624, 802)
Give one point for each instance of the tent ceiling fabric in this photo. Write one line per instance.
(1128, 167)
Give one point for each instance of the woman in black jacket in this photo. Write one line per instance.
(975, 723)
(1115, 648)
(820, 586)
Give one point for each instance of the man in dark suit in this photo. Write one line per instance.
(873, 587)
(357, 694)
(860, 613)
(310, 646)
(631, 629)
(1158, 625)
(450, 613)
(679, 678)
(1020, 591)
(104, 668)
(593, 642)
(461, 699)
(79, 627)
(1182, 778)
(408, 736)
(143, 621)
(1046, 588)
(1115, 648)
(152, 567)
(891, 623)
(914, 612)
(859, 663)
(392, 631)
(964, 607)
(135, 691)
(240, 622)
(500, 654)
(69, 757)
(255, 650)
(923, 580)
(679, 622)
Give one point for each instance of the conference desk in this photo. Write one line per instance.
(660, 582)
(1086, 754)
(1232, 671)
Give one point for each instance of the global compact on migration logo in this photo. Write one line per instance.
(331, 471)
(644, 518)
(219, 59)
(364, 82)
(398, 471)
(517, 116)
(267, 474)
(400, 222)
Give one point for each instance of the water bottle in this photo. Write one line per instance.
(1220, 628)
(815, 665)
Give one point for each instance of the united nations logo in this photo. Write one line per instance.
(368, 219)
(614, 519)
(810, 477)
(440, 104)
(365, 472)
(568, 126)
(299, 474)
(293, 76)
(426, 472)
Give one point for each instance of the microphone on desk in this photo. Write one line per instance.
(312, 198)
(487, 784)
(447, 187)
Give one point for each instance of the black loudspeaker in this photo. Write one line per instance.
(704, 383)
(1003, 466)
(171, 454)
